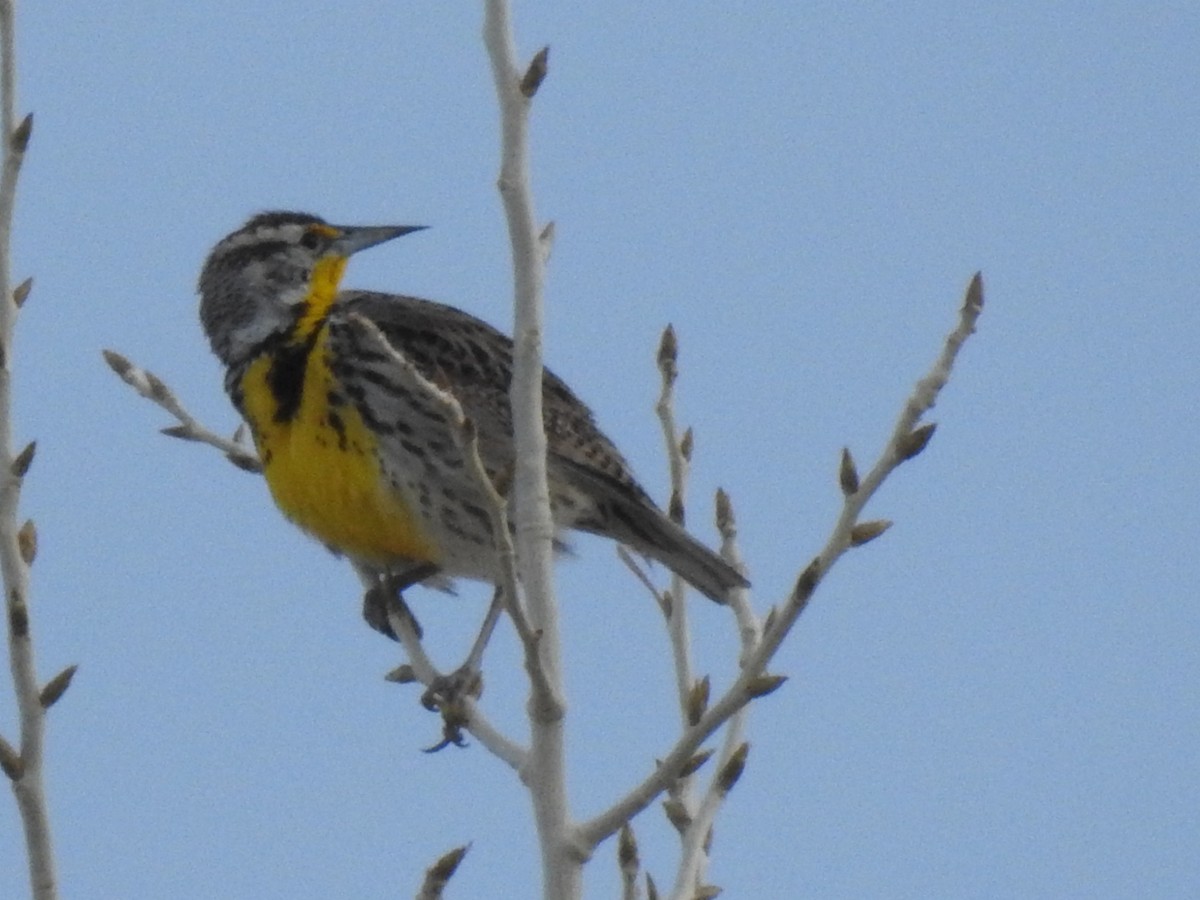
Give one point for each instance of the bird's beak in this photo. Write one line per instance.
(359, 237)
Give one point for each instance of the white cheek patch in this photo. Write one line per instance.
(294, 295)
(246, 337)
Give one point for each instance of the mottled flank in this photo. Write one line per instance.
(355, 450)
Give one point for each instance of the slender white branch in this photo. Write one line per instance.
(155, 389)
(24, 767)
(534, 524)
(508, 581)
(694, 858)
(693, 861)
(641, 575)
(696, 818)
(907, 440)
(682, 790)
(561, 861)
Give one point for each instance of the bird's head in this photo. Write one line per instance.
(277, 267)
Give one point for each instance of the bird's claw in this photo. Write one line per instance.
(448, 694)
(449, 690)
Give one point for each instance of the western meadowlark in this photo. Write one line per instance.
(357, 457)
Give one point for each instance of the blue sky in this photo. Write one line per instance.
(997, 699)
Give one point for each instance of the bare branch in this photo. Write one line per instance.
(697, 836)
(902, 446)
(632, 564)
(592, 831)
(24, 769)
(561, 861)
(156, 390)
(751, 682)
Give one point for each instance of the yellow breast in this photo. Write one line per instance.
(323, 467)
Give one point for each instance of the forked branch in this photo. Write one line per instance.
(907, 440)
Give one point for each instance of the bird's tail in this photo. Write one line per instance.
(650, 532)
(623, 512)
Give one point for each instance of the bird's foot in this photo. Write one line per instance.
(448, 694)
(448, 690)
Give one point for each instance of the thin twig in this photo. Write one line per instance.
(23, 767)
(156, 390)
(677, 618)
(641, 575)
(682, 790)
(548, 695)
(696, 838)
(899, 449)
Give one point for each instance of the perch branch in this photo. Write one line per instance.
(23, 765)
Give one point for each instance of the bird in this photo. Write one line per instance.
(357, 455)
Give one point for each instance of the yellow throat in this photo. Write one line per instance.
(319, 458)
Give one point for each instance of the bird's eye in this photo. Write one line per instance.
(310, 239)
